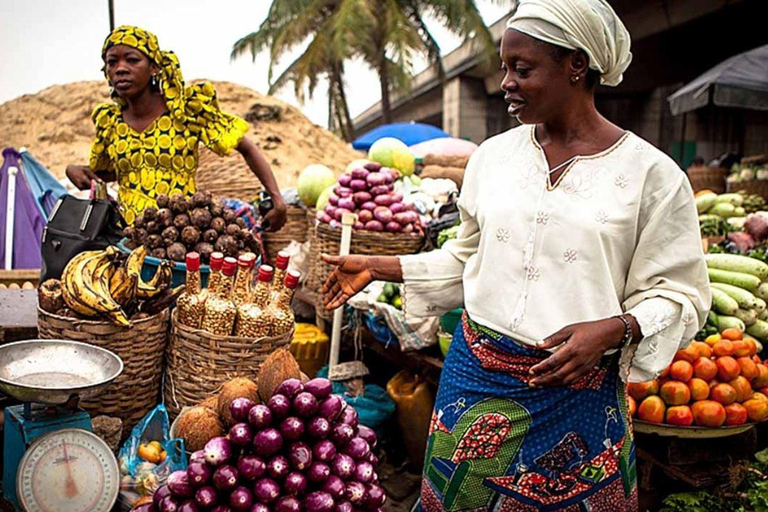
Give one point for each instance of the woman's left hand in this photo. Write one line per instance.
(581, 347)
(275, 218)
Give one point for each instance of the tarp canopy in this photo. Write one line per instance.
(741, 82)
(444, 147)
(410, 133)
(43, 185)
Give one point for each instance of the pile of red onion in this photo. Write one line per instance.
(302, 451)
(368, 192)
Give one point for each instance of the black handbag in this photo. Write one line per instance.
(77, 225)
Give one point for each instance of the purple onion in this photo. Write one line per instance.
(144, 507)
(251, 467)
(240, 434)
(375, 497)
(323, 217)
(358, 185)
(358, 226)
(225, 478)
(360, 174)
(393, 227)
(396, 208)
(357, 448)
(206, 497)
(260, 417)
(278, 467)
(241, 499)
(318, 472)
(300, 456)
(290, 387)
(266, 490)
(330, 210)
(179, 485)
(225, 508)
(374, 225)
(169, 504)
(324, 450)
(320, 388)
(295, 484)
(330, 408)
(365, 215)
(370, 206)
(160, 493)
(375, 179)
(340, 212)
(380, 190)
(199, 473)
(364, 472)
(217, 451)
(267, 442)
(349, 416)
(333, 199)
(292, 428)
(189, 506)
(288, 504)
(342, 191)
(408, 229)
(361, 197)
(319, 501)
(335, 487)
(344, 180)
(405, 218)
(382, 214)
(390, 175)
(373, 166)
(347, 203)
(239, 409)
(259, 507)
(343, 466)
(368, 434)
(319, 428)
(355, 493)
(342, 433)
(305, 404)
(374, 460)
(344, 506)
(198, 456)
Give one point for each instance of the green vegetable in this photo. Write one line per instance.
(730, 322)
(745, 299)
(761, 305)
(724, 303)
(746, 281)
(737, 263)
(762, 291)
(447, 234)
(740, 212)
(748, 316)
(732, 199)
(759, 330)
(390, 290)
(705, 202)
(724, 210)
(763, 315)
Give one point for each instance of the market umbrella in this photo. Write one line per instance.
(444, 147)
(741, 81)
(410, 133)
(21, 222)
(43, 185)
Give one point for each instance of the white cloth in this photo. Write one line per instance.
(618, 233)
(588, 25)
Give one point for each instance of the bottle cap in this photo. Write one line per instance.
(282, 259)
(193, 261)
(229, 267)
(265, 273)
(247, 260)
(217, 260)
(292, 279)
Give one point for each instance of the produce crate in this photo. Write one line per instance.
(758, 187)
(296, 228)
(708, 178)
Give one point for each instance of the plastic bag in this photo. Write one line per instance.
(145, 465)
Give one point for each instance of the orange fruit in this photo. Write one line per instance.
(727, 368)
(704, 349)
(743, 388)
(689, 353)
(723, 393)
(760, 395)
(723, 348)
(756, 359)
(640, 390)
(713, 383)
(741, 348)
(632, 406)
(748, 367)
(732, 334)
(681, 370)
(750, 341)
(735, 414)
(651, 410)
(708, 413)
(704, 368)
(763, 391)
(757, 410)
(699, 389)
(675, 393)
(712, 339)
(680, 415)
(761, 380)
(664, 373)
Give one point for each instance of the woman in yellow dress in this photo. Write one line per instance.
(147, 140)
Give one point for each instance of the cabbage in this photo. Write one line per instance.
(313, 180)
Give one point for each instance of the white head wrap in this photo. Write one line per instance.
(588, 25)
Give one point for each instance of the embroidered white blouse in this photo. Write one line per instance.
(617, 233)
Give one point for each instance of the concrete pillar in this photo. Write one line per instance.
(465, 108)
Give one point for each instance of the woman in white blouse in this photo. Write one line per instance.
(578, 239)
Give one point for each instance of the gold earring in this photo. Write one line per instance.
(575, 78)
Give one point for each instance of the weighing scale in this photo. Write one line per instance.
(52, 461)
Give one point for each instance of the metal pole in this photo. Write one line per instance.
(347, 221)
(111, 15)
(10, 219)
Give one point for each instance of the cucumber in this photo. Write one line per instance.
(732, 199)
(712, 318)
(763, 315)
(762, 291)
(748, 316)
(759, 330)
(737, 263)
(724, 210)
(724, 303)
(745, 299)
(705, 202)
(730, 322)
(746, 281)
(761, 305)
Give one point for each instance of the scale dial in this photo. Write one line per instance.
(70, 470)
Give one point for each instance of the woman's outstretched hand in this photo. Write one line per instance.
(351, 275)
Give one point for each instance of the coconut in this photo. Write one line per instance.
(212, 402)
(197, 426)
(239, 387)
(278, 367)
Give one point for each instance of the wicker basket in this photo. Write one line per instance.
(328, 241)
(759, 187)
(311, 283)
(708, 178)
(135, 391)
(198, 363)
(295, 229)
(227, 176)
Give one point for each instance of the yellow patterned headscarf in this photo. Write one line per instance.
(171, 79)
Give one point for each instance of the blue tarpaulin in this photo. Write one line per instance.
(410, 133)
(43, 185)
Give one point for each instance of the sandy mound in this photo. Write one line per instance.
(55, 126)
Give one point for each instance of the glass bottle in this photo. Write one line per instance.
(251, 321)
(279, 311)
(220, 311)
(241, 293)
(214, 278)
(281, 267)
(191, 304)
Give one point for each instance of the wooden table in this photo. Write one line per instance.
(18, 315)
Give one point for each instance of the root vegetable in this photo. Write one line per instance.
(165, 217)
(218, 224)
(240, 222)
(210, 236)
(177, 251)
(181, 221)
(149, 213)
(374, 225)
(190, 235)
(139, 221)
(229, 216)
(153, 227)
(170, 235)
(227, 245)
(178, 204)
(154, 241)
(159, 253)
(201, 199)
(204, 249)
(201, 218)
(233, 230)
(162, 200)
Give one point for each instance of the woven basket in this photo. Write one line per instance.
(228, 176)
(311, 283)
(295, 228)
(759, 187)
(135, 391)
(198, 363)
(328, 241)
(708, 178)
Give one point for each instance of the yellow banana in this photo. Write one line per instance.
(122, 286)
(71, 278)
(158, 284)
(135, 261)
(88, 286)
(100, 286)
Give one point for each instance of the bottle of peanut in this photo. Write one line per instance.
(220, 311)
(281, 267)
(241, 293)
(251, 321)
(214, 278)
(279, 312)
(191, 303)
